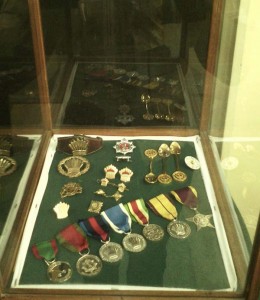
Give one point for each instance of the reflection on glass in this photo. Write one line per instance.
(235, 119)
(19, 108)
(104, 55)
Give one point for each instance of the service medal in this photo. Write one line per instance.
(153, 232)
(89, 265)
(111, 252)
(134, 242)
(59, 271)
(178, 229)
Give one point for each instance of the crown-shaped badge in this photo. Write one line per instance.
(110, 171)
(5, 147)
(125, 174)
(61, 209)
(79, 146)
(73, 166)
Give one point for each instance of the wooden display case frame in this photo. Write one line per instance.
(248, 276)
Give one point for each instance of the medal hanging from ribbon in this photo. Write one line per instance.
(58, 271)
(96, 227)
(139, 213)
(120, 221)
(163, 207)
(188, 196)
(74, 239)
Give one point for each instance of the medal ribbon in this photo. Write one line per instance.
(45, 250)
(117, 218)
(138, 211)
(73, 238)
(163, 207)
(95, 227)
(187, 196)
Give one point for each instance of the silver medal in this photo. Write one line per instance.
(153, 232)
(89, 265)
(59, 271)
(134, 242)
(178, 229)
(111, 252)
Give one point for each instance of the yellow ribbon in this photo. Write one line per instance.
(163, 206)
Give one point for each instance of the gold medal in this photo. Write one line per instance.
(73, 166)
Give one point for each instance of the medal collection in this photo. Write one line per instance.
(139, 93)
(118, 219)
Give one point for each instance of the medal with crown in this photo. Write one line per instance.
(75, 165)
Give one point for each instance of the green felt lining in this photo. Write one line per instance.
(194, 263)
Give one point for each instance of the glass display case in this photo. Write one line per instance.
(129, 149)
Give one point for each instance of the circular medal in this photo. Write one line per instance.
(164, 178)
(59, 271)
(178, 229)
(153, 232)
(73, 166)
(111, 252)
(7, 165)
(192, 162)
(134, 242)
(89, 265)
(179, 176)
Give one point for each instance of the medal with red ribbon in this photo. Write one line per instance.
(58, 271)
(96, 227)
(140, 214)
(188, 196)
(74, 239)
(118, 218)
(162, 206)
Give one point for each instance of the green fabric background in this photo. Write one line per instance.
(195, 262)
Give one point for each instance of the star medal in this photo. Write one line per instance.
(188, 196)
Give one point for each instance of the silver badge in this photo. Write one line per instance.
(59, 271)
(134, 242)
(111, 252)
(89, 265)
(153, 232)
(201, 220)
(192, 162)
(178, 229)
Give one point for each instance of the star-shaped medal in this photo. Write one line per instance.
(201, 220)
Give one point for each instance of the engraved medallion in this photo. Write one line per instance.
(134, 242)
(164, 178)
(59, 271)
(89, 265)
(178, 229)
(192, 162)
(201, 221)
(179, 176)
(153, 232)
(111, 252)
(7, 165)
(73, 166)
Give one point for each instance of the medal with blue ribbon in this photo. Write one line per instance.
(118, 218)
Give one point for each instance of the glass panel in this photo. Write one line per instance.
(126, 63)
(19, 109)
(235, 121)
